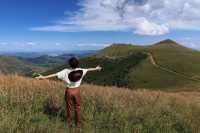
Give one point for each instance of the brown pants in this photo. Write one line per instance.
(72, 97)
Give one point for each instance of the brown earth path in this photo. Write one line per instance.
(154, 63)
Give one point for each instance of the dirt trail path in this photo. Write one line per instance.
(154, 63)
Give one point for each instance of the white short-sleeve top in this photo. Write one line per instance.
(63, 75)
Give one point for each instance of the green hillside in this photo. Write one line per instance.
(166, 64)
(47, 61)
(11, 65)
(176, 57)
(119, 50)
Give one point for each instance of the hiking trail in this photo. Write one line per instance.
(154, 63)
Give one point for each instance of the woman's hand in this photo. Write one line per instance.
(99, 68)
(40, 77)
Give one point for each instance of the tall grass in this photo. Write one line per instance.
(37, 106)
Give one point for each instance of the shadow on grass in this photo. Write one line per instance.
(54, 108)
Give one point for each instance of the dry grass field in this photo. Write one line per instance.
(37, 106)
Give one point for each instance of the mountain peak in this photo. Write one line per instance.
(168, 41)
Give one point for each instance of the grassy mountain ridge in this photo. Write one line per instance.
(178, 66)
(119, 50)
(177, 58)
(169, 55)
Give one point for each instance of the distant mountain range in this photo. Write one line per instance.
(165, 64)
(29, 63)
(52, 60)
(49, 53)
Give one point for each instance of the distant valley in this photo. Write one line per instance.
(52, 60)
(25, 63)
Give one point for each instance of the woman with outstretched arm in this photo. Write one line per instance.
(72, 77)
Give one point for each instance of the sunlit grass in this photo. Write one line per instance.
(29, 106)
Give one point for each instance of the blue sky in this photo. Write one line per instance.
(46, 25)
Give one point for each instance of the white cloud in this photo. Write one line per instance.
(58, 44)
(106, 45)
(91, 46)
(97, 45)
(190, 42)
(144, 27)
(144, 17)
(31, 43)
(185, 24)
(3, 43)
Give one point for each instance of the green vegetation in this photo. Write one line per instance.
(48, 61)
(164, 65)
(119, 50)
(29, 106)
(130, 66)
(114, 71)
(11, 65)
(176, 57)
(28, 66)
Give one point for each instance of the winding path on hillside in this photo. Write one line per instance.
(154, 63)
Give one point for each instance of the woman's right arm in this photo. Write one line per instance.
(46, 77)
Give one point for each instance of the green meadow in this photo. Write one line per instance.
(37, 106)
